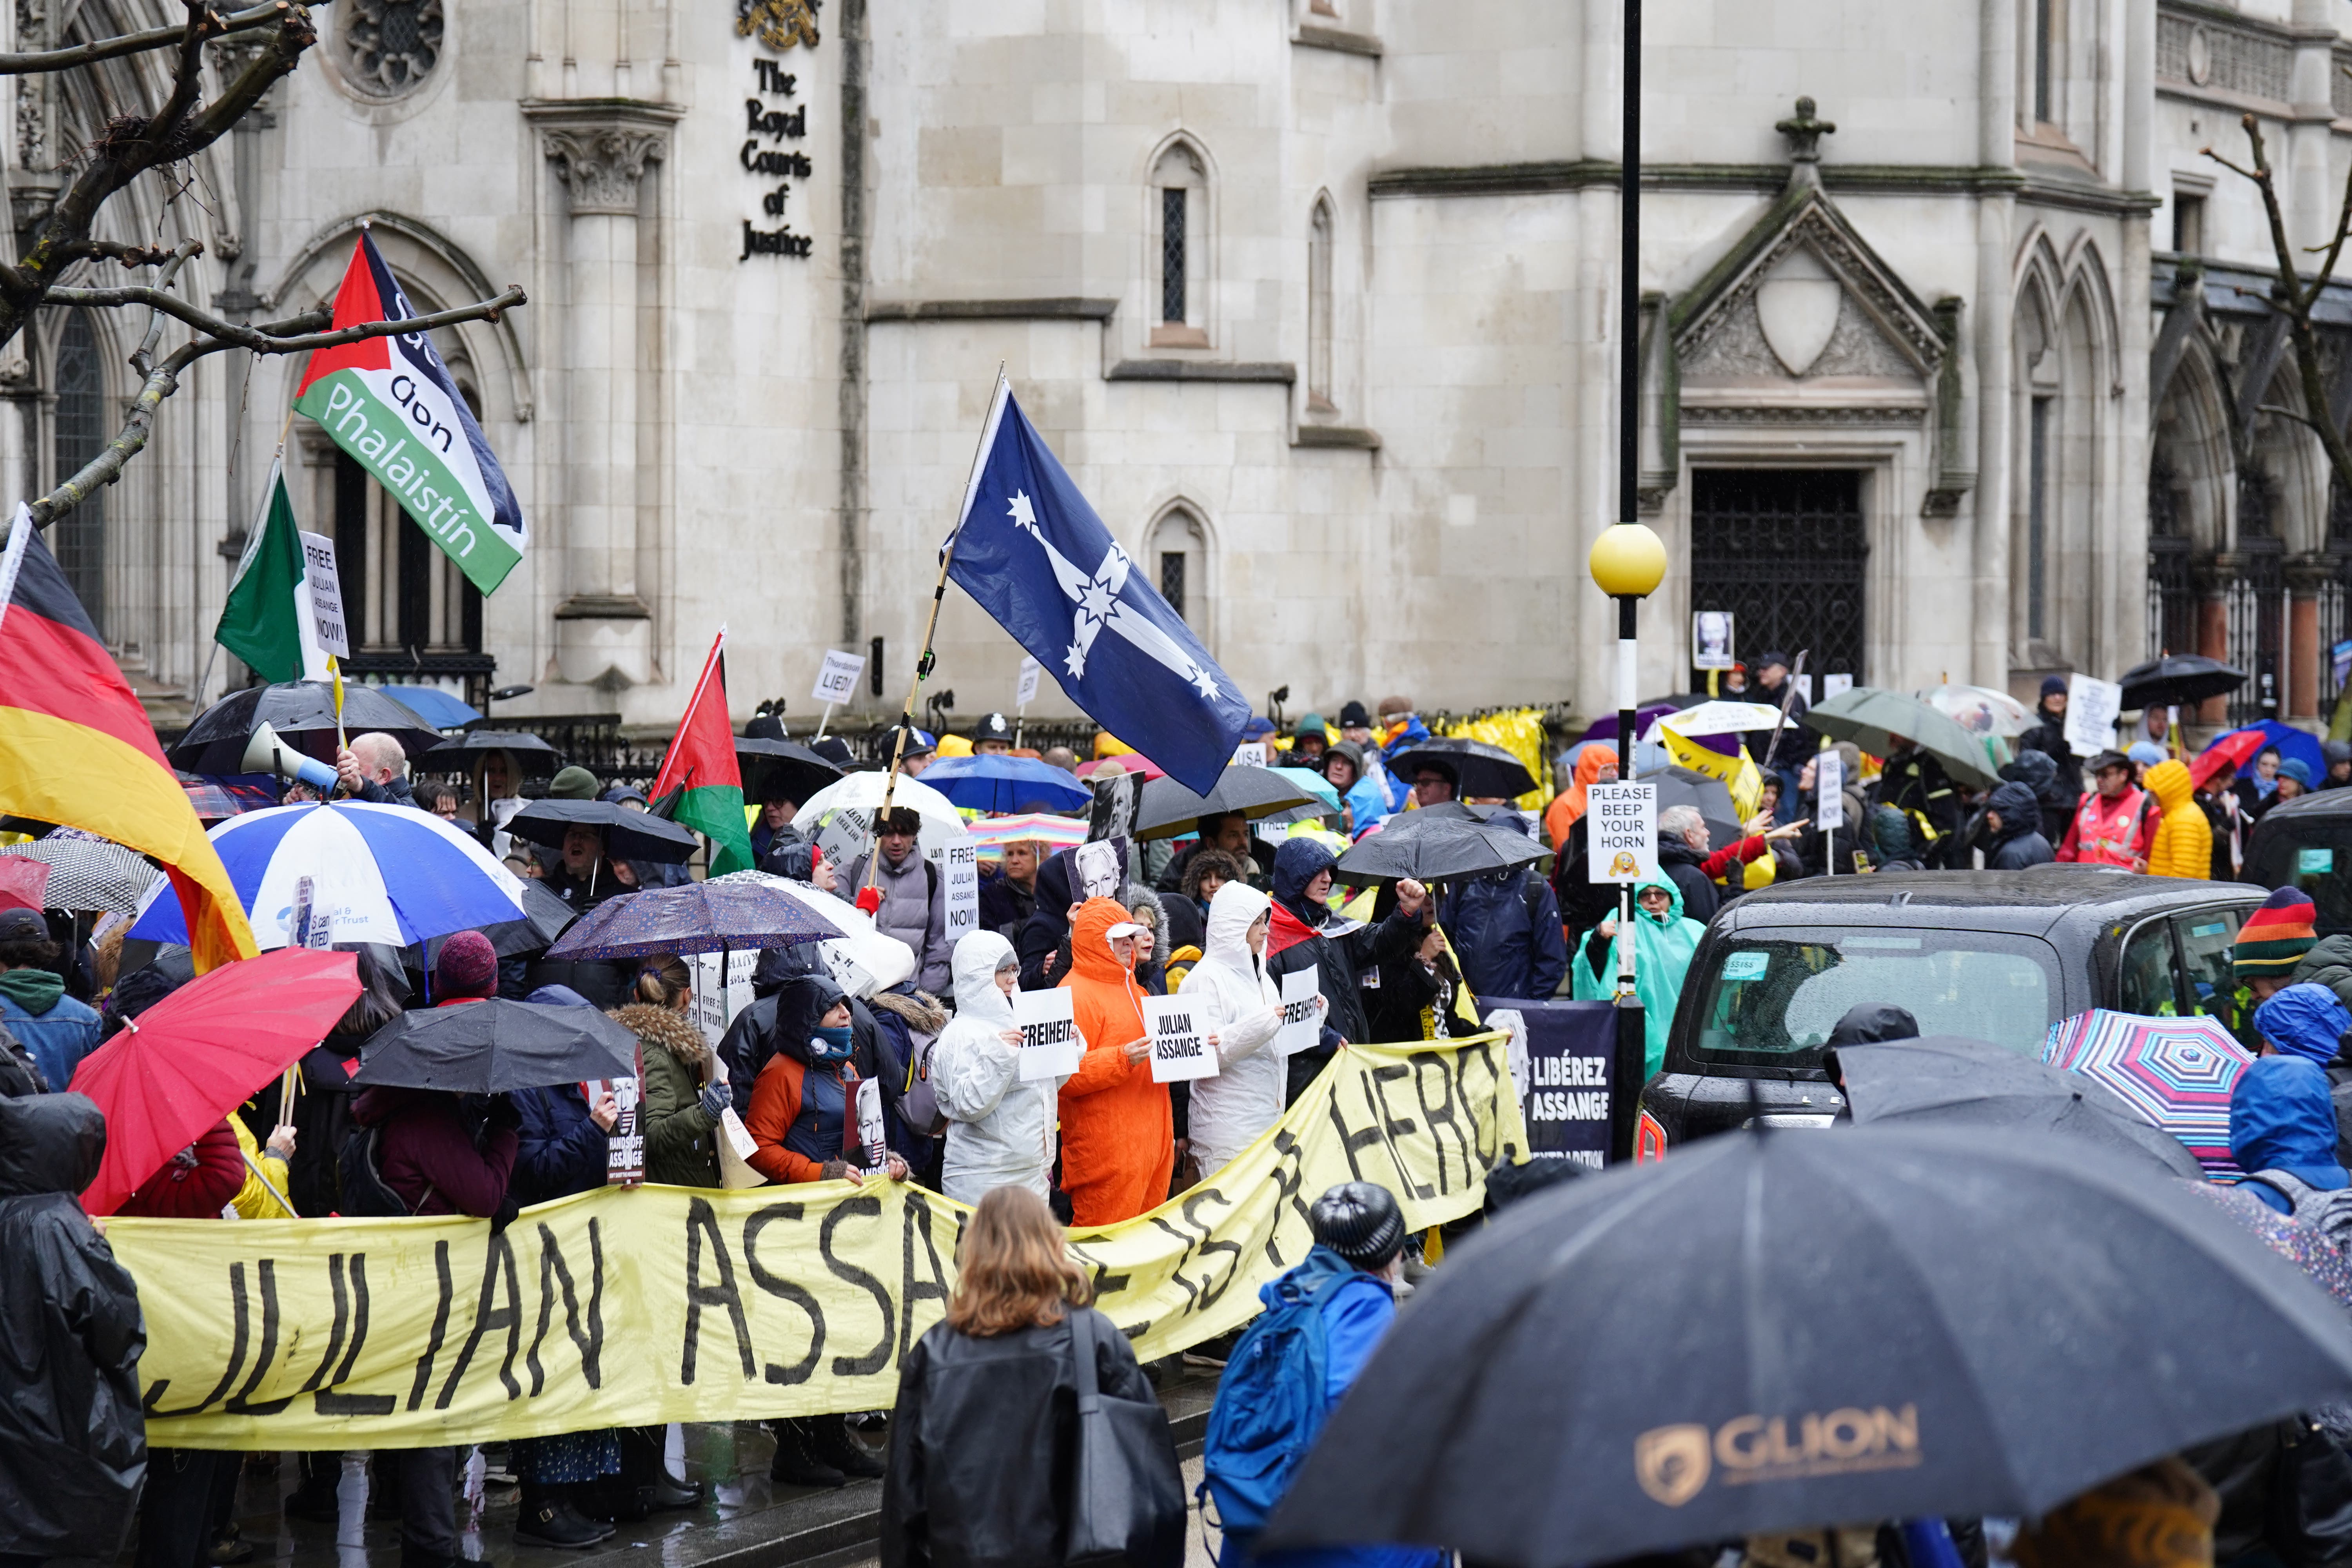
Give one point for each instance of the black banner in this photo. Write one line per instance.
(1569, 1047)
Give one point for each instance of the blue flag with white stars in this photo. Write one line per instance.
(1031, 549)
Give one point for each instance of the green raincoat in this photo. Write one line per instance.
(1662, 955)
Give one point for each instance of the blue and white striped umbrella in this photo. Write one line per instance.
(378, 873)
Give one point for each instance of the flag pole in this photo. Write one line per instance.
(923, 661)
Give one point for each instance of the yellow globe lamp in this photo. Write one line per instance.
(1628, 561)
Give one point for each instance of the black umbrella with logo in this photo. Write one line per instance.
(1772, 1332)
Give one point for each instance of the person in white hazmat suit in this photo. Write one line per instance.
(1001, 1130)
(1239, 1008)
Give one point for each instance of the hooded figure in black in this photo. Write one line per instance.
(2048, 739)
(755, 1035)
(1342, 952)
(2017, 842)
(1048, 925)
(2056, 787)
(73, 1443)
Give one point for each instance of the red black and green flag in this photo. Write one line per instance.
(77, 748)
(699, 786)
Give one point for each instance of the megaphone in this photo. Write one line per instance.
(266, 753)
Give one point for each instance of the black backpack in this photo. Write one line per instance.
(365, 1196)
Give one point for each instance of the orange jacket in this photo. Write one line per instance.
(1573, 802)
(776, 1106)
(1118, 1135)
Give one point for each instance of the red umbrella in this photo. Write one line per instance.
(2236, 749)
(202, 1051)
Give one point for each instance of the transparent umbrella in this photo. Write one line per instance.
(1980, 708)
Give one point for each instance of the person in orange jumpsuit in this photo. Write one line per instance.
(1119, 1136)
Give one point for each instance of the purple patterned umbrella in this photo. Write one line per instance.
(726, 915)
(2176, 1073)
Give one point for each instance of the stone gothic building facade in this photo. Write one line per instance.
(1957, 360)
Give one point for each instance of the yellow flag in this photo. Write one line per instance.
(1739, 773)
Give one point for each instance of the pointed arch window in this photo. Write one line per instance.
(1319, 310)
(80, 435)
(1178, 274)
(1177, 557)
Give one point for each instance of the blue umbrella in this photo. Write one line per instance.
(386, 874)
(1000, 783)
(433, 705)
(2290, 741)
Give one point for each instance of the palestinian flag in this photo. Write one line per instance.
(699, 786)
(269, 620)
(389, 402)
(76, 748)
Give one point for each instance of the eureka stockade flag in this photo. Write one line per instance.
(390, 403)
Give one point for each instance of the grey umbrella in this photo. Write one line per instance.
(628, 834)
(1433, 848)
(1952, 1081)
(496, 1046)
(88, 873)
(1168, 809)
(1871, 717)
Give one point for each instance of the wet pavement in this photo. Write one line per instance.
(746, 1521)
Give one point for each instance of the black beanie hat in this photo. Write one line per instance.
(1361, 1222)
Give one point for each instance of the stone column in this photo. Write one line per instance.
(2213, 582)
(601, 152)
(2306, 577)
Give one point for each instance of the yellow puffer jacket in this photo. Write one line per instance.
(2184, 840)
(263, 1196)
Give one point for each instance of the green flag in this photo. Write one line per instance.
(266, 621)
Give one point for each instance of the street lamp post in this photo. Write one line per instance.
(1628, 563)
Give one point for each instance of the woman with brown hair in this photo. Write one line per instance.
(983, 1440)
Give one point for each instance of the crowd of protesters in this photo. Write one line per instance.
(823, 1078)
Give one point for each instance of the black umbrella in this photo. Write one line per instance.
(1769, 1331)
(1688, 787)
(1477, 768)
(629, 835)
(301, 710)
(2176, 678)
(545, 917)
(780, 769)
(497, 1047)
(460, 753)
(1433, 848)
(1168, 809)
(1952, 1081)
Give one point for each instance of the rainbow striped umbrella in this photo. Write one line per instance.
(2176, 1073)
(1055, 832)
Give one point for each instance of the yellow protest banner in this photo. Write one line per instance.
(632, 1306)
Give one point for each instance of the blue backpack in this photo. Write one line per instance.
(1270, 1402)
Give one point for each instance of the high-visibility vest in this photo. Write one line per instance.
(2106, 830)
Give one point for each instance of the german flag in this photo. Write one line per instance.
(76, 748)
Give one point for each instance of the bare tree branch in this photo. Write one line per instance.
(269, 338)
(142, 358)
(133, 43)
(2295, 299)
(164, 380)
